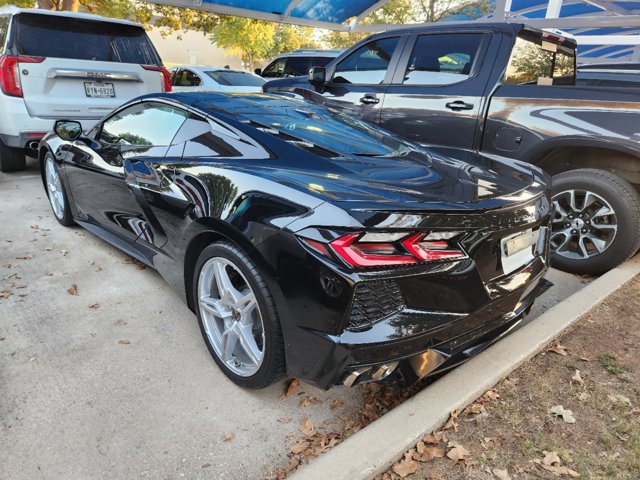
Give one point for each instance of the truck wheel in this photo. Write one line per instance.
(597, 221)
(11, 159)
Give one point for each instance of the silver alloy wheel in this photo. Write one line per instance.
(231, 316)
(584, 224)
(54, 189)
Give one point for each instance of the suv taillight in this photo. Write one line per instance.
(166, 76)
(10, 74)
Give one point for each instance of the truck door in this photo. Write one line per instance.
(356, 85)
(437, 93)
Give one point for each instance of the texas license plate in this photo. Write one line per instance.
(517, 250)
(99, 90)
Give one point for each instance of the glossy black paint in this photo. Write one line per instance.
(226, 175)
(525, 122)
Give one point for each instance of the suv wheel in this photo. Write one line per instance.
(597, 221)
(11, 159)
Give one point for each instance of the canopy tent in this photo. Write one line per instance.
(606, 30)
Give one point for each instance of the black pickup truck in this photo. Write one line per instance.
(507, 90)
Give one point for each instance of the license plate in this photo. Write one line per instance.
(99, 90)
(517, 250)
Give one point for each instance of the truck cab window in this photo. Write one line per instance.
(535, 61)
(368, 64)
(442, 59)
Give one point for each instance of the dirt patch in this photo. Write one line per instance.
(571, 411)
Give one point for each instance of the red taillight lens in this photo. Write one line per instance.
(10, 74)
(166, 76)
(427, 250)
(369, 254)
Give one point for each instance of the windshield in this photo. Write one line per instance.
(237, 79)
(83, 40)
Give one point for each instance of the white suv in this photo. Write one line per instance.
(67, 65)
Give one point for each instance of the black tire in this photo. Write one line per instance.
(622, 198)
(64, 217)
(12, 159)
(272, 367)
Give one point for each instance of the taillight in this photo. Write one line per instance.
(166, 76)
(385, 249)
(10, 73)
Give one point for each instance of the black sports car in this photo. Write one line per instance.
(308, 243)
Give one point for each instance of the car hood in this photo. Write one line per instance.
(418, 181)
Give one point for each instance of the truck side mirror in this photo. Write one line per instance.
(258, 71)
(317, 75)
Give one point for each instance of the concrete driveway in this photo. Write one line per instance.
(115, 381)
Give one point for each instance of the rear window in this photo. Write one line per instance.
(82, 40)
(238, 79)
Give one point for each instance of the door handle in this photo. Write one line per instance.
(369, 100)
(459, 105)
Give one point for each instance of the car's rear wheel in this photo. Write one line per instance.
(237, 316)
(56, 192)
(12, 159)
(597, 221)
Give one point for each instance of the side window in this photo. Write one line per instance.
(186, 78)
(143, 124)
(209, 138)
(275, 68)
(4, 27)
(442, 59)
(537, 62)
(368, 64)
(297, 66)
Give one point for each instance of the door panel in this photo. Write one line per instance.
(436, 96)
(358, 83)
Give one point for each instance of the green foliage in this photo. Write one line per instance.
(250, 39)
(18, 3)
(291, 37)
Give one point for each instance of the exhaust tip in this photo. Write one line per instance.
(33, 145)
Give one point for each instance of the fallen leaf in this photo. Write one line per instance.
(309, 401)
(559, 349)
(458, 452)
(433, 438)
(27, 256)
(33, 359)
(551, 458)
(291, 388)
(2, 338)
(299, 448)
(307, 427)
(406, 466)
(451, 423)
(577, 378)
(21, 286)
(558, 470)
(73, 289)
(63, 252)
(140, 266)
(5, 294)
(474, 409)
(619, 399)
(584, 396)
(425, 453)
(228, 437)
(206, 465)
(119, 323)
(98, 268)
(585, 359)
(488, 441)
(94, 305)
(501, 474)
(336, 404)
(491, 395)
(123, 341)
(559, 411)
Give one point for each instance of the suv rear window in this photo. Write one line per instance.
(82, 40)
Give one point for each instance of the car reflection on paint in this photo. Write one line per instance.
(308, 243)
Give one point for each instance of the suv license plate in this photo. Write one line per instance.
(99, 90)
(517, 250)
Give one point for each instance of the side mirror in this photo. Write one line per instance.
(317, 75)
(69, 130)
(258, 71)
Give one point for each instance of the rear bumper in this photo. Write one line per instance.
(406, 337)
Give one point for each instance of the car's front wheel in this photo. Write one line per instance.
(237, 316)
(55, 192)
(597, 221)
